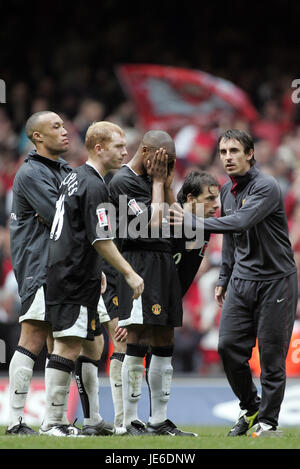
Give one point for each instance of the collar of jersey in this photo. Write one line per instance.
(92, 166)
(43, 159)
(129, 167)
(145, 176)
(239, 182)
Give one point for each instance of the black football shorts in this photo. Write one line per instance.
(73, 320)
(110, 296)
(34, 307)
(160, 303)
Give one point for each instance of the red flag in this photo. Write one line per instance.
(171, 97)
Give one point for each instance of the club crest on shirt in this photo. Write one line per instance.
(156, 309)
(243, 201)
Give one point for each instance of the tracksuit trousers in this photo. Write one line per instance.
(264, 310)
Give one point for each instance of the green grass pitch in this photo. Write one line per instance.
(208, 438)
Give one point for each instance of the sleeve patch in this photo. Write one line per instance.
(134, 207)
(102, 217)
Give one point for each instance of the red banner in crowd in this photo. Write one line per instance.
(171, 97)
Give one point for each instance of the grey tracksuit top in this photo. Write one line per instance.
(35, 190)
(253, 221)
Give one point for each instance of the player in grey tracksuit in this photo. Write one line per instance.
(35, 190)
(257, 287)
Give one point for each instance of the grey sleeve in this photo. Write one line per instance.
(41, 194)
(227, 260)
(258, 205)
(227, 257)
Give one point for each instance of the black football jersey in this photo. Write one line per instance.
(81, 218)
(188, 260)
(131, 194)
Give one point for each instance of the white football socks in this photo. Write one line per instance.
(20, 374)
(159, 379)
(132, 375)
(86, 373)
(57, 382)
(64, 419)
(115, 377)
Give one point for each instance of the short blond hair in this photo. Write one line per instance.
(101, 132)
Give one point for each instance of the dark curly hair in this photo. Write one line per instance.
(194, 184)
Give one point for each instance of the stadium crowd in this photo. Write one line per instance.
(277, 152)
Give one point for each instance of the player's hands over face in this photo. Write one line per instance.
(40, 219)
(136, 283)
(170, 177)
(175, 215)
(121, 334)
(158, 166)
(220, 294)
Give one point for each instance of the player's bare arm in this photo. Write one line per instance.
(169, 194)
(108, 250)
(158, 169)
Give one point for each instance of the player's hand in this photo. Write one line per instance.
(136, 283)
(220, 293)
(103, 283)
(170, 176)
(121, 334)
(175, 215)
(157, 168)
(40, 219)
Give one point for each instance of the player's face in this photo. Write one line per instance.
(114, 152)
(234, 158)
(210, 200)
(52, 134)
